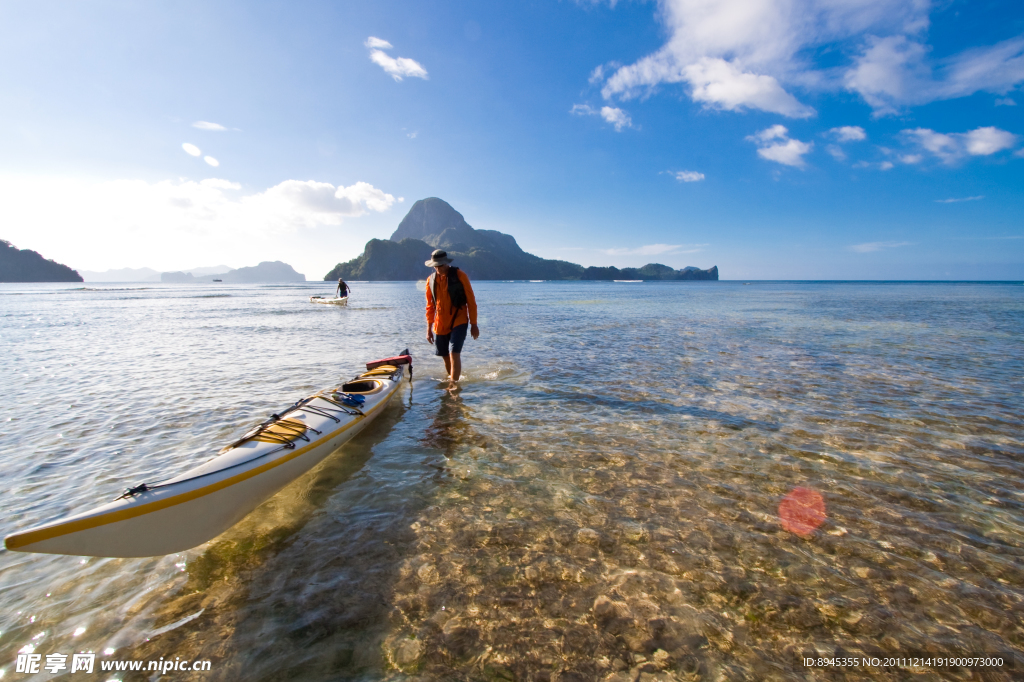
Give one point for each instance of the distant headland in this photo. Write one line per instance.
(484, 254)
(267, 271)
(23, 265)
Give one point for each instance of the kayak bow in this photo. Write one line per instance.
(203, 502)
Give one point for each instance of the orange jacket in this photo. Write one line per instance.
(439, 313)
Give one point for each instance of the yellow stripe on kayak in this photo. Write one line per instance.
(19, 540)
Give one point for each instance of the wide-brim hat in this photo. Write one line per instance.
(439, 257)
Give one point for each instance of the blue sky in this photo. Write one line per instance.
(848, 139)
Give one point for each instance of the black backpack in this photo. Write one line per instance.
(456, 292)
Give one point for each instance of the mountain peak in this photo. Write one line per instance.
(483, 254)
(427, 218)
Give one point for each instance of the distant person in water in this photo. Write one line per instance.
(451, 308)
(343, 289)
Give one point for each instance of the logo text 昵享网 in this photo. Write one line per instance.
(31, 663)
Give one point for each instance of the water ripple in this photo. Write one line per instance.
(601, 500)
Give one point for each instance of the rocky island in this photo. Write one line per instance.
(484, 254)
(24, 265)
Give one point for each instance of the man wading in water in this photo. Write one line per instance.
(451, 307)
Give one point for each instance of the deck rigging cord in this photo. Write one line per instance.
(348, 404)
(261, 431)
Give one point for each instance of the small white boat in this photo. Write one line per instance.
(329, 301)
(189, 509)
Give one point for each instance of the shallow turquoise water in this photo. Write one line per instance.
(600, 500)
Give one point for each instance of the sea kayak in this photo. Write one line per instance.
(329, 301)
(153, 519)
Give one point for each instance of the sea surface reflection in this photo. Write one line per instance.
(678, 481)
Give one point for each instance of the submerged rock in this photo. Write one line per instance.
(407, 652)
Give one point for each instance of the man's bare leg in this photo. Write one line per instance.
(456, 367)
(447, 365)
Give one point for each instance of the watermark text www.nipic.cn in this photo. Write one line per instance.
(86, 663)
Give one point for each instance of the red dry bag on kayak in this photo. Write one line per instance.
(396, 361)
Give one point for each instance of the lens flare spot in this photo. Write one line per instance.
(191, 149)
(802, 511)
(212, 161)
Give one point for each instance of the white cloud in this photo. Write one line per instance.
(397, 68)
(869, 247)
(895, 71)
(653, 250)
(717, 83)
(721, 84)
(101, 225)
(617, 117)
(849, 133)
(191, 149)
(737, 54)
(911, 158)
(1005, 102)
(597, 75)
(939, 144)
(883, 165)
(996, 68)
(689, 176)
(950, 147)
(988, 140)
(363, 194)
(790, 152)
(786, 151)
(307, 203)
(957, 201)
(836, 151)
(750, 54)
(206, 125)
(891, 71)
(775, 132)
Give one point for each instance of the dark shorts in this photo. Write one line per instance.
(456, 338)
